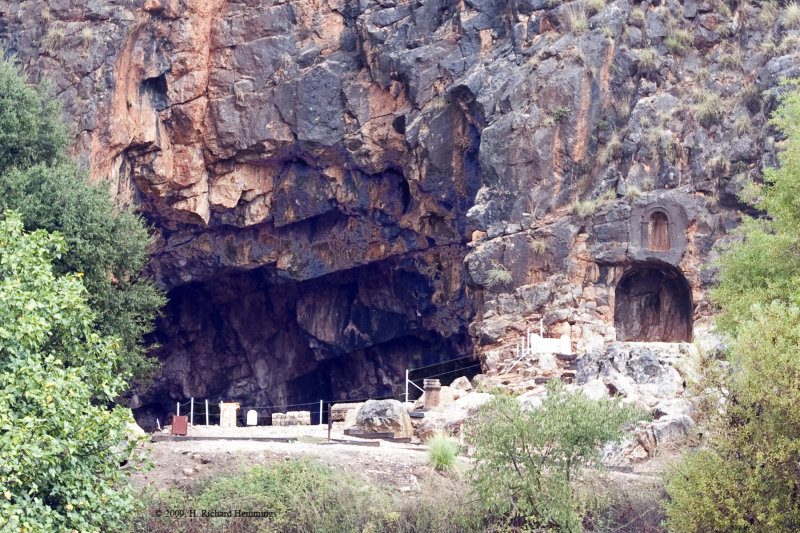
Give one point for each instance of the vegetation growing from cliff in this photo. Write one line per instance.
(526, 460)
(39, 181)
(61, 448)
(746, 477)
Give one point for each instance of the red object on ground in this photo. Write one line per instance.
(180, 425)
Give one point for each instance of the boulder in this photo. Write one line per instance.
(451, 419)
(461, 384)
(635, 369)
(384, 416)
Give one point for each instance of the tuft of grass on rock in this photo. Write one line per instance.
(679, 42)
(498, 277)
(709, 110)
(53, 40)
(578, 22)
(791, 17)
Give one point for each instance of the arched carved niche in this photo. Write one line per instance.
(653, 303)
(658, 232)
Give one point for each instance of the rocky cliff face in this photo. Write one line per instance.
(346, 187)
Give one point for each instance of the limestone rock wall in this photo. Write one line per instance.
(512, 150)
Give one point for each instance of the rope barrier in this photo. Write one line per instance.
(450, 372)
(442, 363)
(201, 412)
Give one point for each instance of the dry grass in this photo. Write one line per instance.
(53, 40)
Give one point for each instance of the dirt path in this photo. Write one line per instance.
(182, 463)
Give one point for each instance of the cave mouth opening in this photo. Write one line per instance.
(653, 303)
(279, 345)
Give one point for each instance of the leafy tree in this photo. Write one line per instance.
(747, 475)
(525, 460)
(39, 181)
(60, 448)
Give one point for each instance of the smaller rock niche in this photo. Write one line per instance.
(657, 232)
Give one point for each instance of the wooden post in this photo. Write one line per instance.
(330, 420)
(206, 412)
(320, 412)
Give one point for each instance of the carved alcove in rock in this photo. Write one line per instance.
(653, 303)
(653, 298)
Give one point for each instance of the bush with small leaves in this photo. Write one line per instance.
(50, 192)
(560, 113)
(525, 460)
(744, 478)
(62, 446)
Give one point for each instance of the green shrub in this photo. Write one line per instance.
(525, 460)
(538, 246)
(633, 193)
(612, 150)
(442, 451)
(61, 445)
(724, 10)
(560, 113)
(745, 477)
(743, 125)
(731, 61)
(595, 6)
(789, 43)
(769, 12)
(109, 245)
(637, 17)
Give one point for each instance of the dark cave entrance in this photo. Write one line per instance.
(268, 343)
(653, 304)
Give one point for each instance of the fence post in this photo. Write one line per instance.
(320, 412)
(178, 409)
(191, 411)
(206, 412)
(406, 385)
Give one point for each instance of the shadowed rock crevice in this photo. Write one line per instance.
(256, 338)
(653, 303)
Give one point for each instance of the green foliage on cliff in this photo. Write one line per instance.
(39, 181)
(747, 476)
(60, 448)
(525, 461)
